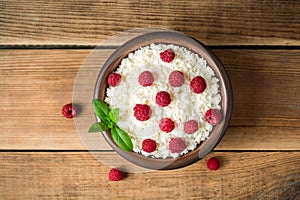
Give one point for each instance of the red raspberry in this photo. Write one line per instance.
(115, 175)
(190, 126)
(114, 79)
(163, 98)
(69, 111)
(142, 112)
(177, 145)
(176, 78)
(166, 125)
(146, 78)
(213, 163)
(198, 84)
(213, 116)
(148, 145)
(167, 55)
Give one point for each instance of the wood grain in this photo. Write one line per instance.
(265, 87)
(229, 22)
(80, 176)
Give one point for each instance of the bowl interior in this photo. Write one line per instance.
(170, 37)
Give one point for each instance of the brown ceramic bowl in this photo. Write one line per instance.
(170, 37)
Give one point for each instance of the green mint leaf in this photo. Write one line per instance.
(98, 127)
(121, 138)
(110, 124)
(114, 114)
(101, 109)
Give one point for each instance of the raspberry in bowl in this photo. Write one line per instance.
(173, 95)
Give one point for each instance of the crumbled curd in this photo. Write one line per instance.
(185, 104)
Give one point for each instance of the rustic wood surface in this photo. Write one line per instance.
(230, 22)
(43, 47)
(80, 176)
(46, 78)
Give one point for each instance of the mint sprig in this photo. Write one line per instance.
(109, 118)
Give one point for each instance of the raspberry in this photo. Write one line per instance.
(114, 79)
(69, 111)
(166, 125)
(142, 112)
(213, 116)
(176, 78)
(198, 84)
(148, 145)
(115, 175)
(146, 78)
(177, 145)
(163, 98)
(167, 55)
(213, 163)
(190, 126)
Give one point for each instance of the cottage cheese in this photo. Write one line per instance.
(185, 104)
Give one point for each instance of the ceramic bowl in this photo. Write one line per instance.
(176, 38)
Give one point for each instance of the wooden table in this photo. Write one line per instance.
(44, 43)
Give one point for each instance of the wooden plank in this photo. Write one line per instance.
(265, 87)
(251, 22)
(258, 175)
(34, 87)
(260, 138)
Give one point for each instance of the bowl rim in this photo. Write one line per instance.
(176, 38)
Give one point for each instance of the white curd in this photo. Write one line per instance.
(185, 104)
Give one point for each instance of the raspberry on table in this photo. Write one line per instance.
(213, 116)
(163, 98)
(198, 84)
(167, 55)
(115, 174)
(142, 112)
(213, 164)
(166, 124)
(149, 145)
(114, 79)
(69, 110)
(177, 145)
(145, 78)
(190, 126)
(176, 78)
